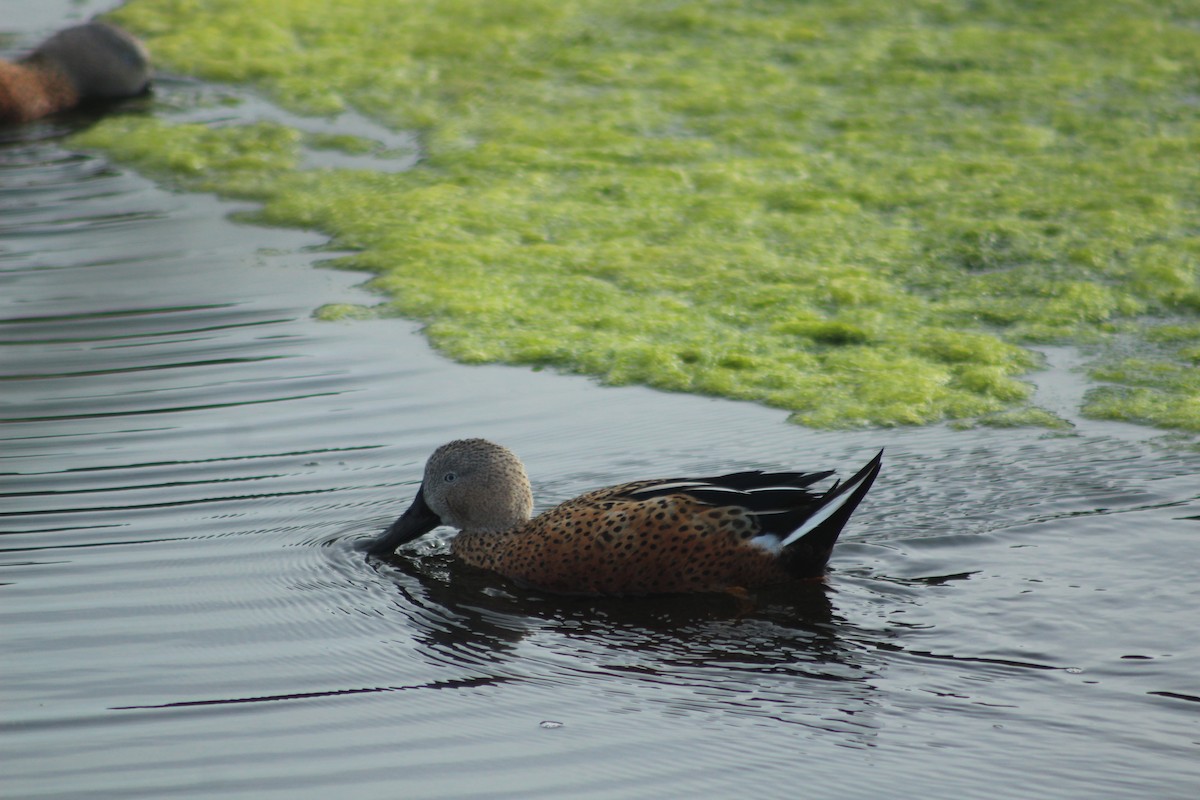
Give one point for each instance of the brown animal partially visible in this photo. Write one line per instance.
(81, 64)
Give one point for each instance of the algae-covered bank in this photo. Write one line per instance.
(862, 212)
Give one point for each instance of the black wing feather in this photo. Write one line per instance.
(768, 493)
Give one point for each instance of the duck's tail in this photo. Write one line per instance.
(806, 550)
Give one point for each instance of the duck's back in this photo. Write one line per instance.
(610, 541)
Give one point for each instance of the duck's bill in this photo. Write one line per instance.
(417, 521)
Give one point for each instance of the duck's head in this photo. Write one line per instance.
(100, 60)
(470, 484)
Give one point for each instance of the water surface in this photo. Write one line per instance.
(187, 457)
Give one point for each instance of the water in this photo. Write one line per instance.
(186, 458)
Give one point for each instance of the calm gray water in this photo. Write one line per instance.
(186, 458)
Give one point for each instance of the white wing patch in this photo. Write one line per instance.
(769, 542)
(666, 487)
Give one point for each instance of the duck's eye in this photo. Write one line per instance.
(450, 477)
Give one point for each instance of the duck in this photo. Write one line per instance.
(95, 61)
(730, 533)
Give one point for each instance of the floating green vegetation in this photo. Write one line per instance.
(1160, 386)
(857, 211)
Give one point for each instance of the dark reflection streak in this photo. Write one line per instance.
(147, 334)
(1004, 662)
(929, 580)
(91, 221)
(60, 530)
(1102, 512)
(176, 410)
(93, 544)
(174, 504)
(168, 485)
(1177, 696)
(214, 362)
(51, 436)
(149, 464)
(456, 683)
(133, 312)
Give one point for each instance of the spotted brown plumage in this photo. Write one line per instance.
(725, 533)
(94, 61)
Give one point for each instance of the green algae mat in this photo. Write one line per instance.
(862, 212)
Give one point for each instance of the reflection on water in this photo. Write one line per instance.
(789, 660)
(187, 460)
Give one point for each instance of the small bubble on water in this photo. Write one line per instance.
(549, 723)
(1074, 670)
